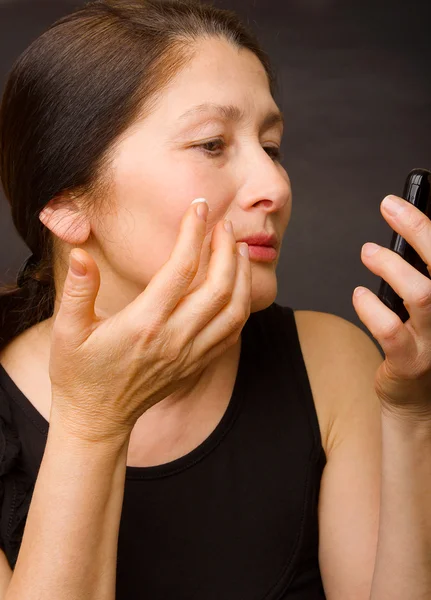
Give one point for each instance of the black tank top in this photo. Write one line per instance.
(235, 518)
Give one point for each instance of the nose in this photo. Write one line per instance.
(266, 184)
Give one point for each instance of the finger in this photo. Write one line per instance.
(196, 309)
(410, 222)
(395, 338)
(225, 328)
(411, 285)
(171, 282)
(76, 317)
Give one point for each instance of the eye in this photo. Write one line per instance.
(274, 152)
(208, 147)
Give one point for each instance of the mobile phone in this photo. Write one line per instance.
(417, 190)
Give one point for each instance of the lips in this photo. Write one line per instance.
(262, 246)
(261, 239)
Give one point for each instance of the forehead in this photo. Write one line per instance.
(219, 75)
(219, 58)
(231, 113)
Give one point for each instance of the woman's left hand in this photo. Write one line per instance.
(403, 380)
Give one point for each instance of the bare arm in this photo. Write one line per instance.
(375, 499)
(69, 547)
(105, 373)
(5, 574)
(403, 562)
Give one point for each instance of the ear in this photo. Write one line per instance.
(66, 220)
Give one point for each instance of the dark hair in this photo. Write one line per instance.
(68, 99)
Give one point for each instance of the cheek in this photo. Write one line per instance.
(145, 240)
(151, 203)
(139, 239)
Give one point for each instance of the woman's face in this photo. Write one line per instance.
(159, 168)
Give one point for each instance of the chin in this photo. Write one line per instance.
(263, 291)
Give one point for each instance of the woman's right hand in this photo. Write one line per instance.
(105, 373)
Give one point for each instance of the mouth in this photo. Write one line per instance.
(263, 247)
(262, 253)
(261, 239)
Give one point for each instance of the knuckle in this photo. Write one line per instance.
(243, 314)
(151, 338)
(172, 352)
(184, 271)
(221, 293)
(72, 293)
(236, 317)
(63, 340)
(422, 297)
(391, 332)
(171, 348)
(418, 223)
(145, 332)
(421, 368)
(60, 332)
(232, 339)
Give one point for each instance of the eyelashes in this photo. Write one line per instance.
(273, 151)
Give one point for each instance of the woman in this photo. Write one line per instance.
(203, 441)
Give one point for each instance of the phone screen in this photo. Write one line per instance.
(417, 190)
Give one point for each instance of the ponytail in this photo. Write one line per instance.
(28, 301)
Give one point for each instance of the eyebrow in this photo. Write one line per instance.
(233, 113)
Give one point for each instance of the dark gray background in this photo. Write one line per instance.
(355, 85)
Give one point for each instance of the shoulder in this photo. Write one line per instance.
(320, 331)
(331, 342)
(26, 361)
(31, 347)
(341, 361)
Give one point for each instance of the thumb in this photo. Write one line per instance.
(75, 318)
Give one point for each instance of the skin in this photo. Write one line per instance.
(157, 170)
(254, 192)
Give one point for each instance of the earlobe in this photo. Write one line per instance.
(66, 221)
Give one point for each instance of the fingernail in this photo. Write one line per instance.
(369, 249)
(76, 266)
(393, 205)
(243, 249)
(359, 291)
(202, 208)
(228, 226)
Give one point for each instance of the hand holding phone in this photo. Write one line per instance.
(417, 190)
